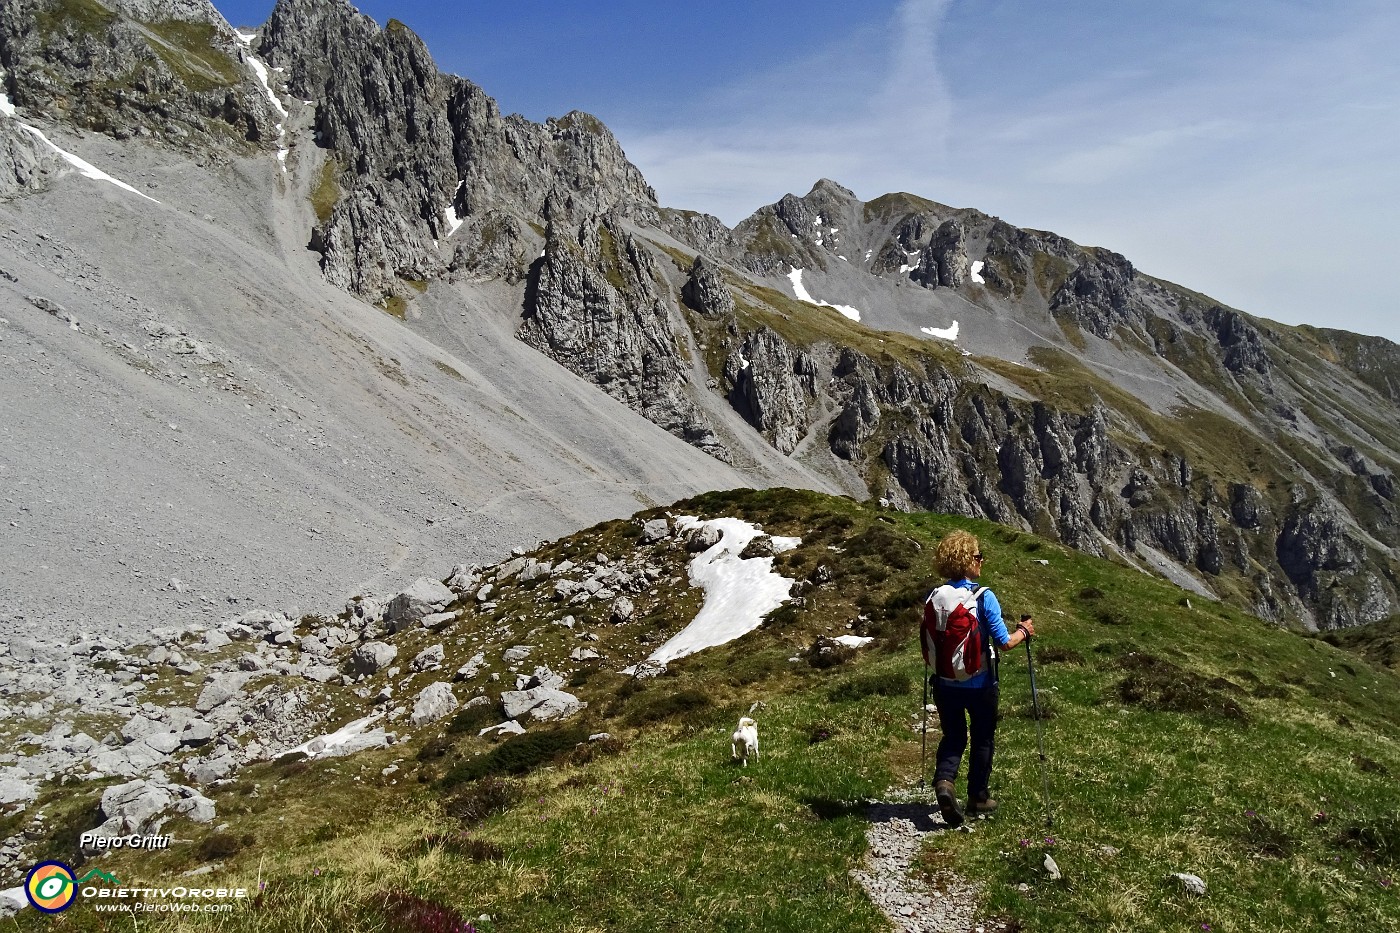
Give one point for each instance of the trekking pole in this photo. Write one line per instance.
(1040, 735)
(923, 754)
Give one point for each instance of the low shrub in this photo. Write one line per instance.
(410, 913)
(473, 719)
(890, 684)
(219, 846)
(656, 708)
(519, 754)
(1160, 685)
(483, 799)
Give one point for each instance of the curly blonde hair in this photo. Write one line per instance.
(953, 559)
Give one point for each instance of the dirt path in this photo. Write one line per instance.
(896, 835)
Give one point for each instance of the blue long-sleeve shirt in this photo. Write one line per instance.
(990, 614)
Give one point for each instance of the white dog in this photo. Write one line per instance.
(745, 737)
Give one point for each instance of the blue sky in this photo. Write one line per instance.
(1249, 150)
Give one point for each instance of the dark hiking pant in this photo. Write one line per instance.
(956, 707)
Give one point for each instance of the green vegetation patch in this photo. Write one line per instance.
(519, 754)
(327, 192)
(1158, 684)
(81, 17)
(188, 51)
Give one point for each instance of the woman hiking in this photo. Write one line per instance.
(958, 616)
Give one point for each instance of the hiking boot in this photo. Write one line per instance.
(948, 803)
(982, 807)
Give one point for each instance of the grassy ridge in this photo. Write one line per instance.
(1185, 737)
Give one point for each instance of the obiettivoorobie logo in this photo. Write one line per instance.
(52, 888)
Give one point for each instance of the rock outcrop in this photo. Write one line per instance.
(594, 305)
(171, 70)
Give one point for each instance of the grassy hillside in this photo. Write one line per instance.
(1183, 736)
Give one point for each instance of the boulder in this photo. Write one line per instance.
(658, 529)
(438, 620)
(197, 807)
(423, 598)
(135, 807)
(197, 732)
(461, 579)
(434, 702)
(220, 689)
(372, 657)
(211, 769)
(516, 654)
(622, 611)
(702, 538)
(429, 659)
(165, 743)
(543, 703)
(471, 668)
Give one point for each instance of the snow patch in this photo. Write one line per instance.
(84, 167)
(942, 333)
(7, 108)
(853, 641)
(795, 276)
(14, 897)
(738, 593)
(260, 69)
(977, 273)
(348, 738)
(450, 212)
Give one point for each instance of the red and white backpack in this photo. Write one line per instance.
(952, 637)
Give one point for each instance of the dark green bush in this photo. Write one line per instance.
(889, 684)
(483, 799)
(519, 754)
(662, 706)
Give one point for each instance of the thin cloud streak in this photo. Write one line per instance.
(1210, 171)
(735, 165)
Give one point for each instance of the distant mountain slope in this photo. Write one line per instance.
(934, 357)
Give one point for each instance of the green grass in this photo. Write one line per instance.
(80, 17)
(187, 50)
(1186, 735)
(327, 192)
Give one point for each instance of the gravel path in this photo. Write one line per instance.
(896, 835)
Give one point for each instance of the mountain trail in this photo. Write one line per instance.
(945, 903)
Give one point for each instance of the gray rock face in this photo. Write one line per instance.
(943, 262)
(418, 150)
(705, 290)
(1097, 294)
(772, 387)
(434, 702)
(595, 308)
(176, 66)
(1240, 342)
(372, 657)
(26, 164)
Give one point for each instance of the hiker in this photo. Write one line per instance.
(965, 683)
